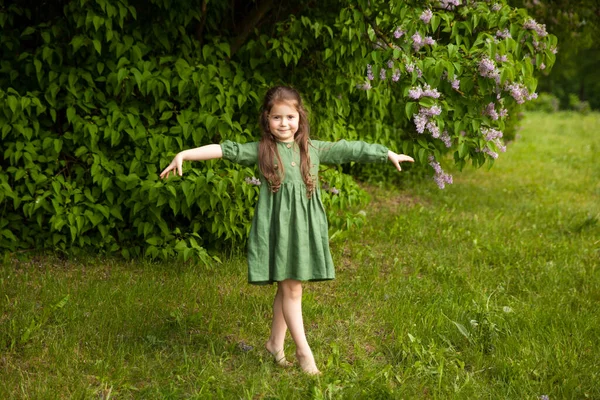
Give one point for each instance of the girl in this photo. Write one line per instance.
(288, 240)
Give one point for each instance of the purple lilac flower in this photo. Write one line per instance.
(520, 92)
(398, 33)
(370, 75)
(449, 4)
(364, 86)
(433, 129)
(491, 134)
(334, 190)
(426, 16)
(503, 112)
(382, 74)
(252, 181)
(431, 111)
(390, 64)
(420, 122)
(417, 41)
(496, 7)
(410, 67)
(544, 397)
(429, 40)
(429, 92)
(446, 138)
(489, 151)
(503, 34)
(441, 178)
(501, 58)
(491, 111)
(396, 75)
(455, 84)
(542, 66)
(423, 120)
(415, 93)
(534, 26)
(487, 69)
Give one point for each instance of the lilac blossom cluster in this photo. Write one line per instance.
(446, 139)
(487, 69)
(519, 92)
(370, 75)
(501, 58)
(441, 178)
(426, 16)
(491, 111)
(419, 41)
(252, 181)
(503, 34)
(410, 67)
(398, 33)
(454, 81)
(449, 4)
(423, 120)
(496, 7)
(540, 29)
(417, 92)
(492, 135)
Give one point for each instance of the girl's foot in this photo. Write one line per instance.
(278, 355)
(307, 363)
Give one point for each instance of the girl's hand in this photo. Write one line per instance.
(174, 167)
(396, 159)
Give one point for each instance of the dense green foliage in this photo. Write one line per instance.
(486, 290)
(97, 96)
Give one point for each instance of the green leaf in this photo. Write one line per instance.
(224, 46)
(28, 31)
(77, 42)
(97, 46)
(154, 240)
(71, 114)
(410, 109)
(13, 103)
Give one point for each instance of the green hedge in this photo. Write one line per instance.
(97, 96)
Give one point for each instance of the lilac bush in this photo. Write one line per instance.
(458, 68)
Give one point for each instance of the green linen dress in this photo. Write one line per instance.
(289, 234)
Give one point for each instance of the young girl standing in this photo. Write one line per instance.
(288, 240)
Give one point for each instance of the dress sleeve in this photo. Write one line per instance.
(343, 152)
(240, 153)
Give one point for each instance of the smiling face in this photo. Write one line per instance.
(283, 121)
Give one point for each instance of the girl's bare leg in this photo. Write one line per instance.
(278, 331)
(292, 312)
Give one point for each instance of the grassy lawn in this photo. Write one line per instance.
(488, 289)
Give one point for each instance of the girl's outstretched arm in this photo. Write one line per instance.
(396, 159)
(203, 153)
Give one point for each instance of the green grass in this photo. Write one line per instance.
(488, 289)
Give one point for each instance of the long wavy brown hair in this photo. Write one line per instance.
(269, 160)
